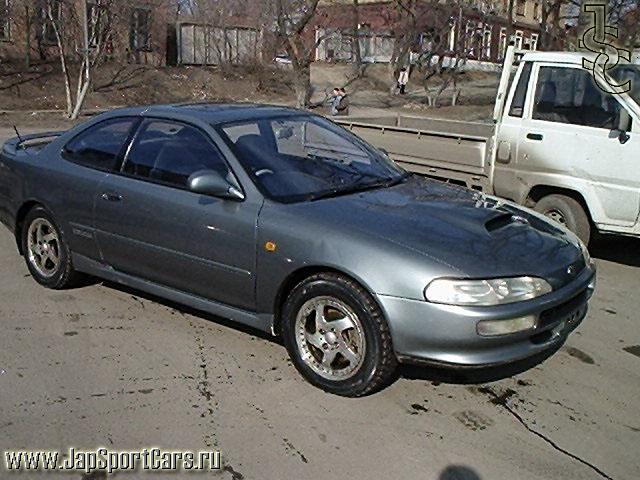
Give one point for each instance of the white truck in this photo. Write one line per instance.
(559, 144)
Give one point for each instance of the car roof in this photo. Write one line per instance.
(558, 57)
(212, 113)
(565, 57)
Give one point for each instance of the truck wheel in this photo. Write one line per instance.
(568, 212)
(337, 336)
(46, 252)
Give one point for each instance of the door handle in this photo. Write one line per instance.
(535, 136)
(111, 197)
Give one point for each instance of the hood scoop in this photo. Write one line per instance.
(502, 220)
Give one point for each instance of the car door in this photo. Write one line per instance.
(95, 152)
(152, 227)
(570, 134)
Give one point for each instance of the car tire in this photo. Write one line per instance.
(568, 212)
(46, 252)
(352, 355)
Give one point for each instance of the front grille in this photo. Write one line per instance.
(554, 314)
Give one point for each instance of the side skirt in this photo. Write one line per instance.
(260, 321)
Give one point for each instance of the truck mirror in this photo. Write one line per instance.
(623, 125)
(624, 120)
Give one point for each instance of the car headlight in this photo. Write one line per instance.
(485, 292)
(585, 253)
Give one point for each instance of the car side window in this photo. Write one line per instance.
(170, 152)
(234, 132)
(520, 95)
(570, 95)
(303, 139)
(98, 146)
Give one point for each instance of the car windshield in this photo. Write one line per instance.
(307, 157)
(624, 72)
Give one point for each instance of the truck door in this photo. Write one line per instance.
(568, 139)
(505, 173)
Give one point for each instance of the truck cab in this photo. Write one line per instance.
(565, 146)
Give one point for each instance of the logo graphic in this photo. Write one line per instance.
(600, 39)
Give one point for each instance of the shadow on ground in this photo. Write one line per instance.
(458, 472)
(618, 249)
(191, 311)
(469, 376)
(428, 372)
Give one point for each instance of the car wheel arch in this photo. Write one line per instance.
(538, 192)
(299, 275)
(24, 209)
(583, 226)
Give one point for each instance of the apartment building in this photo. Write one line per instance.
(484, 27)
(138, 29)
(526, 17)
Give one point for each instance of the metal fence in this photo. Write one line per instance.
(210, 45)
(335, 45)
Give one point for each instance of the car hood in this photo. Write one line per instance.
(476, 235)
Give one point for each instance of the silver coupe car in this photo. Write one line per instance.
(283, 221)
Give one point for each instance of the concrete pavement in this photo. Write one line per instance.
(101, 365)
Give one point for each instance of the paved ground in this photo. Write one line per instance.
(105, 366)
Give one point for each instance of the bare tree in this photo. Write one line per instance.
(552, 23)
(406, 30)
(23, 14)
(63, 23)
(451, 39)
(439, 64)
(625, 15)
(356, 48)
(434, 40)
(292, 17)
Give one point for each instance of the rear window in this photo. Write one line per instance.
(520, 95)
(100, 145)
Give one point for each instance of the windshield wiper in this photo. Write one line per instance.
(358, 187)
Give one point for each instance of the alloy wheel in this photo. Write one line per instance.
(43, 247)
(330, 338)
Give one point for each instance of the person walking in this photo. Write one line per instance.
(403, 79)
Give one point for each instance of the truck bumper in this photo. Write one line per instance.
(424, 332)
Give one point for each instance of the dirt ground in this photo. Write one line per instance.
(42, 88)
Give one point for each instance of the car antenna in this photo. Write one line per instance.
(20, 140)
(18, 134)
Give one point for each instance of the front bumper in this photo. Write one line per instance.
(424, 332)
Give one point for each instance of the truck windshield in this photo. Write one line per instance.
(625, 72)
(306, 157)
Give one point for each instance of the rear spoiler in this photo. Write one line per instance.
(32, 140)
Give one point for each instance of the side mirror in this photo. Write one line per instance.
(210, 182)
(623, 126)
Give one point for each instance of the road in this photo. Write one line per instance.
(101, 365)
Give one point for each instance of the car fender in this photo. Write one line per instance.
(288, 243)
